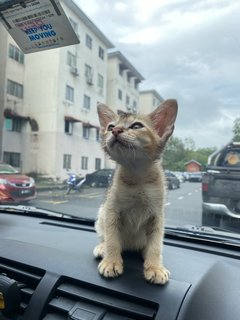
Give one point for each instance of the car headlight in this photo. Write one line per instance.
(3, 181)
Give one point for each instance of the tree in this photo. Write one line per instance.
(189, 144)
(174, 154)
(201, 155)
(236, 130)
(178, 152)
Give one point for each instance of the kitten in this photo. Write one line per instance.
(131, 218)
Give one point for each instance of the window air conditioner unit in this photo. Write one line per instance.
(74, 71)
(89, 80)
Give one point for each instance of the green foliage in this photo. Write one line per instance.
(236, 130)
(178, 152)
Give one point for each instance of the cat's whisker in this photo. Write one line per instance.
(133, 150)
(129, 147)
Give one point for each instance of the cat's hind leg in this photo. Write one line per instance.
(98, 251)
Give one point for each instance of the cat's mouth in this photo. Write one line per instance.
(116, 142)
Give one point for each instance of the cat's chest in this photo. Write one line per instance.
(135, 199)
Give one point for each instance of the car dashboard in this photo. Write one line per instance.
(54, 267)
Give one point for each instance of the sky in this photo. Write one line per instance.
(185, 49)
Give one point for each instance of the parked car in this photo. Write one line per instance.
(15, 187)
(99, 178)
(195, 177)
(180, 175)
(171, 180)
(186, 175)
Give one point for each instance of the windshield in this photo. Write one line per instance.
(132, 56)
(7, 169)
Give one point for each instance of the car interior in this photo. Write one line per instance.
(52, 275)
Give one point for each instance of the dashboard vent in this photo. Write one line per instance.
(81, 301)
(27, 279)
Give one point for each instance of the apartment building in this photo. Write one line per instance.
(123, 83)
(122, 87)
(48, 101)
(149, 100)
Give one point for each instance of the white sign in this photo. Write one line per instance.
(38, 25)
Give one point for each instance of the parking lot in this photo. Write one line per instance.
(183, 205)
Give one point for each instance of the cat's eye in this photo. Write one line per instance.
(136, 125)
(110, 127)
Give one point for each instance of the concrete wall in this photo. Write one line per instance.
(149, 101)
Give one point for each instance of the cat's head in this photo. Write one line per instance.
(128, 137)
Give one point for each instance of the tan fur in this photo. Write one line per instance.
(132, 216)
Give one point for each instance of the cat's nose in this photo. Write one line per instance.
(116, 131)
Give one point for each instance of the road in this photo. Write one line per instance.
(183, 205)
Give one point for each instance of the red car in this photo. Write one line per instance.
(15, 187)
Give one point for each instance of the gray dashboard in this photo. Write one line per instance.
(53, 261)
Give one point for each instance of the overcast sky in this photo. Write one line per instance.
(185, 49)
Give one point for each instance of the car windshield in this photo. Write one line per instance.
(131, 56)
(7, 169)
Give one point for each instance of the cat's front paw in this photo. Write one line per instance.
(98, 251)
(110, 269)
(156, 274)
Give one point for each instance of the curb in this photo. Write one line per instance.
(50, 188)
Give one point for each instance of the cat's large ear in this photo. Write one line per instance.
(105, 115)
(163, 118)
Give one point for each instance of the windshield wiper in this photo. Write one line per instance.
(205, 233)
(38, 212)
(32, 210)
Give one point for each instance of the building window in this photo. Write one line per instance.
(12, 158)
(13, 124)
(15, 53)
(97, 163)
(69, 94)
(88, 41)
(100, 83)
(134, 105)
(136, 84)
(68, 127)
(86, 132)
(129, 77)
(86, 102)
(127, 100)
(120, 70)
(15, 89)
(119, 94)
(101, 53)
(67, 158)
(97, 135)
(84, 163)
(89, 74)
(71, 60)
(8, 124)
